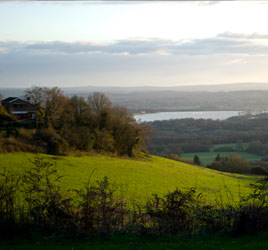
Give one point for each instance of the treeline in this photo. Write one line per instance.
(236, 164)
(64, 124)
(34, 201)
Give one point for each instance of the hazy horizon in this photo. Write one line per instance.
(132, 44)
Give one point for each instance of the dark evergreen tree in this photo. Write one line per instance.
(197, 160)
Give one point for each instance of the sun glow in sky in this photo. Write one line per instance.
(132, 43)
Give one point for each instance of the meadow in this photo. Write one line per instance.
(137, 180)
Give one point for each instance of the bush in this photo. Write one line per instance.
(15, 145)
(174, 213)
(252, 216)
(9, 186)
(99, 212)
(54, 144)
(233, 164)
(173, 157)
(258, 171)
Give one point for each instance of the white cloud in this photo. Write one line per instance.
(220, 59)
(224, 43)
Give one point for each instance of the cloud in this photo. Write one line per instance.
(224, 43)
(243, 36)
(228, 57)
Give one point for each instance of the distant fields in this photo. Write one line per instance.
(208, 157)
(231, 145)
(137, 180)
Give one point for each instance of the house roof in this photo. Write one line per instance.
(12, 99)
(9, 99)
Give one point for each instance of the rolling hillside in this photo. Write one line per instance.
(138, 179)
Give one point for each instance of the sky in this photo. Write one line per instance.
(132, 43)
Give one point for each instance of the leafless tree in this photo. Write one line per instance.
(99, 102)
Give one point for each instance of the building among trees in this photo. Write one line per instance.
(20, 107)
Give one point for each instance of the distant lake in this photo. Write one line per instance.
(214, 115)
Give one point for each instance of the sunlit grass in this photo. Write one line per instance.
(138, 179)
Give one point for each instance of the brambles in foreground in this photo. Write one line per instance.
(34, 199)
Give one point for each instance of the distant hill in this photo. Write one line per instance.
(236, 96)
(188, 88)
(123, 90)
(138, 179)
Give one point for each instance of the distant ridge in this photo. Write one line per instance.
(188, 88)
(123, 90)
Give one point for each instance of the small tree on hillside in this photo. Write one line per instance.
(197, 160)
(218, 157)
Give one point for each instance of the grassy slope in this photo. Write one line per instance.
(208, 157)
(139, 179)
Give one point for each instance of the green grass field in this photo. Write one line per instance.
(139, 179)
(208, 157)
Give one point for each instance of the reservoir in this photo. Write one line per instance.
(160, 116)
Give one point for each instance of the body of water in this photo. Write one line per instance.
(214, 115)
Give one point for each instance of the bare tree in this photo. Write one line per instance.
(36, 96)
(99, 102)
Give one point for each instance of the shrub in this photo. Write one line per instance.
(173, 157)
(174, 213)
(99, 212)
(53, 142)
(43, 198)
(258, 171)
(252, 216)
(9, 186)
(197, 160)
(14, 145)
(234, 164)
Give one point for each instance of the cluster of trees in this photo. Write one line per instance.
(236, 164)
(62, 124)
(233, 164)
